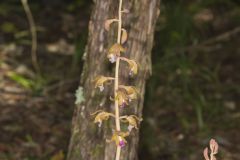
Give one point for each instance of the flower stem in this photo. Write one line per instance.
(117, 119)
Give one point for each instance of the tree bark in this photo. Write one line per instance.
(88, 141)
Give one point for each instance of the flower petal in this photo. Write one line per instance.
(132, 65)
(132, 92)
(122, 98)
(124, 36)
(205, 154)
(213, 146)
(101, 80)
(109, 22)
(101, 116)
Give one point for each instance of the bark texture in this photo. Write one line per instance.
(88, 141)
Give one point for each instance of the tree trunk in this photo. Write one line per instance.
(88, 141)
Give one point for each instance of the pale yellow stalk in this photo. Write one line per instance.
(117, 119)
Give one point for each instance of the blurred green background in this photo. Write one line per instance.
(192, 95)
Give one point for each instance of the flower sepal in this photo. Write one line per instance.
(101, 80)
(132, 92)
(114, 52)
(101, 116)
(132, 121)
(132, 65)
(122, 98)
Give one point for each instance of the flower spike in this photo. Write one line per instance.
(122, 94)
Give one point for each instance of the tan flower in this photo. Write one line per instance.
(132, 65)
(101, 80)
(131, 91)
(132, 121)
(101, 116)
(108, 23)
(119, 138)
(114, 52)
(122, 98)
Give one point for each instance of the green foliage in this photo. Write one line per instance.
(35, 85)
(4, 9)
(181, 72)
(26, 83)
(190, 83)
(76, 4)
(8, 27)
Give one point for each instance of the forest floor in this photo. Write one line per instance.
(36, 108)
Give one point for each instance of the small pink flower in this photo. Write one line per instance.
(121, 143)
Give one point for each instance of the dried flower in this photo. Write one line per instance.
(122, 98)
(132, 121)
(99, 82)
(109, 22)
(101, 116)
(125, 11)
(114, 52)
(132, 65)
(119, 138)
(131, 91)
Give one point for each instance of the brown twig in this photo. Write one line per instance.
(33, 33)
(210, 44)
